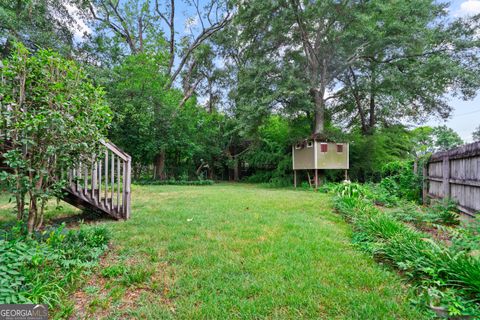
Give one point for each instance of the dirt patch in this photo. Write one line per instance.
(101, 297)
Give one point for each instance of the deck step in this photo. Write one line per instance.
(102, 184)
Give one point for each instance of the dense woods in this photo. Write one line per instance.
(221, 89)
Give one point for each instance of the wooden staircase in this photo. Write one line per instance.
(103, 184)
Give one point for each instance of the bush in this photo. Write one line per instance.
(350, 190)
(61, 121)
(399, 179)
(40, 269)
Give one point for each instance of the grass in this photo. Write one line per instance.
(237, 251)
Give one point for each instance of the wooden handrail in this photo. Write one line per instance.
(104, 182)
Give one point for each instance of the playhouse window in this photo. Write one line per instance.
(340, 148)
(309, 144)
(323, 147)
(298, 146)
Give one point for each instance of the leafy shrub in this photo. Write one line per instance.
(176, 182)
(399, 179)
(467, 237)
(444, 212)
(381, 195)
(410, 213)
(41, 268)
(327, 187)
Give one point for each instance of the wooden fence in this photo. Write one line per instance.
(455, 174)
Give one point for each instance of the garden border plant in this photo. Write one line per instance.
(446, 277)
(43, 267)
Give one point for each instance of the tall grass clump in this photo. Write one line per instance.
(445, 276)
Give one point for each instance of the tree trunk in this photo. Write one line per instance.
(319, 112)
(39, 220)
(160, 165)
(32, 214)
(20, 198)
(372, 120)
(236, 169)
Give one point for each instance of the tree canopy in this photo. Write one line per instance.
(222, 89)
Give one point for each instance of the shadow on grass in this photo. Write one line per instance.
(70, 221)
(85, 217)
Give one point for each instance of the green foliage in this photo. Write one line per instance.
(446, 138)
(369, 153)
(476, 134)
(434, 268)
(444, 212)
(52, 109)
(43, 268)
(36, 24)
(269, 156)
(149, 121)
(467, 237)
(350, 190)
(113, 271)
(142, 109)
(399, 180)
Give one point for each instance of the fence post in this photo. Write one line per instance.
(446, 177)
(425, 182)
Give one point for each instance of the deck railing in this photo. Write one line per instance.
(104, 182)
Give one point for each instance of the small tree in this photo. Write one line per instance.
(446, 138)
(476, 134)
(51, 116)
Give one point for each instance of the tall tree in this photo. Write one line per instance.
(152, 26)
(37, 24)
(298, 48)
(367, 63)
(446, 138)
(414, 58)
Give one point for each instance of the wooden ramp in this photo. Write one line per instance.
(102, 184)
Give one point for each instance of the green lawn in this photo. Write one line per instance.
(237, 251)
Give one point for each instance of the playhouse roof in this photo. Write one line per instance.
(317, 137)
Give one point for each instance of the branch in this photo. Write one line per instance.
(307, 46)
(171, 25)
(204, 35)
(190, 92)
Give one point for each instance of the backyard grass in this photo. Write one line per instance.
(235, 251)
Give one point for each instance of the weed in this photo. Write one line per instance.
(136, 275)
(113, 271)
(444, 212)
